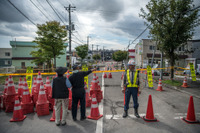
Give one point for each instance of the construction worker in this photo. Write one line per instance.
(130, 86)
(60, 92)
(78, 91)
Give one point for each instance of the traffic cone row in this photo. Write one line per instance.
(96, 89)
(26, 100)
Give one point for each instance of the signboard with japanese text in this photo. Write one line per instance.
(29, 76)
(193, 74)
(85, 68)
(149, 76)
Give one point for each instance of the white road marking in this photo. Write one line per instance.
(99, 127)
(117, 117)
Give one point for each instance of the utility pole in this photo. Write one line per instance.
(70, 9)
(92, 49)
(103, 54)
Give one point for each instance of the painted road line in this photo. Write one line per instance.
(118, 117)
(99, 127)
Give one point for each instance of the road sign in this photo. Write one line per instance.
(29, 76)
(85, 68)
(193, 74)
(149, 75)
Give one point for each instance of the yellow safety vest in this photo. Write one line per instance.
(129, 81)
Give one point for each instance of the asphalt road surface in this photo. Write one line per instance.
(169, 107)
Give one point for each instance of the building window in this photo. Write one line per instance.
(179, 48)
(22, 64)
(7, 53)
(151, 47)
(7, 62)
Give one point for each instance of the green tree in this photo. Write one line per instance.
(120, 56)
(50, 40)
(172, 23)
(96, 57)
(82, 51)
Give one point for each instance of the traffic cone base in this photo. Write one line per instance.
(95, 118)
(15, 120)
(190, 122)
(149, 120)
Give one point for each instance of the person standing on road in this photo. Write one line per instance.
(78, 91)
(130, 86)
(60, 93)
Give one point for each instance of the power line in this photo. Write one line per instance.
(39, 9)
(54, 10)
(139, 35)
(44, 9)
(21, 12)
(77, 38)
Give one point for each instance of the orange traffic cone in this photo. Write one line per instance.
(185, 83)
(5, 86)
(20, 87)
(94, 113)
(87, 98)
(17, 113)
(42, 98)
(34, 86)
(26, 98)
(39, 80)
(149, 114)
(11, 86)
(191, 119)
(48, 86)
(105, 75)
(159, 86)
(110, 75)
(68, 75)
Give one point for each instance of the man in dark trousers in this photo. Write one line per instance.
(131, 83)
(60, 93)
(78, 91)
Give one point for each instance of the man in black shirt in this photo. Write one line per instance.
(78, 91)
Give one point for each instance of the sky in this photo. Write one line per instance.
(111, 24)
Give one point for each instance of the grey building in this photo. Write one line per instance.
(5, 57)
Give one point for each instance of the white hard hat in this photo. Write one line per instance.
(131, 62)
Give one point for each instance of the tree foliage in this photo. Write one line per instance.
(82, 51)
(96, 57)
(50, 40)
(172, 23)
(119, 55)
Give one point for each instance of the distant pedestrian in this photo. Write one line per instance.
(130, 86)
(60, 92)
(78, 91)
